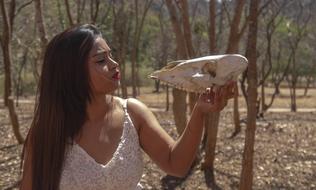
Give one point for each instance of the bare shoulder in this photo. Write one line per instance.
(136, 106)
(133, 104)
(136, 110)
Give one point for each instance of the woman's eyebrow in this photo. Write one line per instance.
(102, 52)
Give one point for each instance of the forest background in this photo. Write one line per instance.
(277, 93)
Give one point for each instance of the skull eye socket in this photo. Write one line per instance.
(210, 68)
(212, 73)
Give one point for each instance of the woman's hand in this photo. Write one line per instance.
(215, 98)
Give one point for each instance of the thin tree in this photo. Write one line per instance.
(179, 105)
(121, 33)
(300, 30)
(40, 25)
(161, 54)
(235, 35)
(94, 10)
(212, 119)
(184, 11)
(266, 66)
(69, 15)
(5, 40)
(81, 5)
(246, 178)
(139, 23)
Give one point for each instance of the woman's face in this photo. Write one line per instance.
(104, 71)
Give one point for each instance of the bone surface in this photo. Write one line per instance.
(195, 75)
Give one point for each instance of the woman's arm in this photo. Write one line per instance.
(175, 157)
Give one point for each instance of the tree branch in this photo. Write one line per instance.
(22, 6)
(69, 13)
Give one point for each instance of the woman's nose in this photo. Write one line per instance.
(113, 64)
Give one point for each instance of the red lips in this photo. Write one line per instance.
(116, 75)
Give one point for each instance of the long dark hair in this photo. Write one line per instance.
(60, 109)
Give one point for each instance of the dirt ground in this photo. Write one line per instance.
(285, 149)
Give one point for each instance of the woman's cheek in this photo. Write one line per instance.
(105, 69)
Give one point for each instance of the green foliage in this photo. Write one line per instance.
(143, 72)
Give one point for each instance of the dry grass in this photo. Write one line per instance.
(158, 100)
(285, 154)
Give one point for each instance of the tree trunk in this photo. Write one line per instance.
(246, 179)
(188, 41)
(212, 29)
(186, 28)
(94, 10)
(167, 98)
(308, 82)
(232, 47)
(137, 33)
(301, 28)
(121, 32)
(6, 53)
(211, 128)
(134, 52)
(212, 119)
(60, 15)
(263, 100)
(179, 97)
(15, 121)
(236, 115)
(233, 39)
(42, 33)
(70, 19)
(293, 94)
(18, 88)
(81, 4)
(179, 109)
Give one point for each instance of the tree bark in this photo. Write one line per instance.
(188, 41)
(246, 179)
(232, 47)
(42, 33)
(121, 32)
(179, 109)
(212, 28)
(212, 119)
(179, 97)
(211, 128)
(137, 33)
(6, 51)
(233, 39)
(300, 26)
(70, 19)
(60, 15)
(94, 10)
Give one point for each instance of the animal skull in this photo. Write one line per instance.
(195, 75)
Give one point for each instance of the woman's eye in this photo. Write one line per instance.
(102, 61)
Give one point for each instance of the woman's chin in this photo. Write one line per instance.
(113, 88)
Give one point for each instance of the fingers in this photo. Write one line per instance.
(223, 94)
(223, 97)
(219, 100)
(232, 90)
(217, 96)
(209, 95)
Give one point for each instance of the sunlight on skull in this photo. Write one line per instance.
(195, 75)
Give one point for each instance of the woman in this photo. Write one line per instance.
(81, 137)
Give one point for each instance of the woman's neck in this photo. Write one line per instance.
(98, 107)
